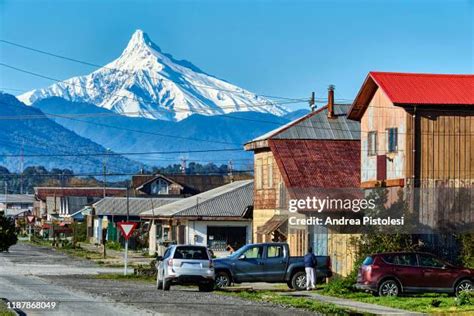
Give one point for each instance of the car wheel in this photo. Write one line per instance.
(289, 284)
(222, 279)
(166, 285)
(464, 286)
(298, 281)
(206, 287)
(389, 288)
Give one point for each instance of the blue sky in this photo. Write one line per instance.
(283, 48)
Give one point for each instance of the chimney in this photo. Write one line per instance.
(331, 101)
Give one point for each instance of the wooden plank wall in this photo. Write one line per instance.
(447, 150)
(445, 163)
(343, 253)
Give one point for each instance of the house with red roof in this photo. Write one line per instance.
(317, 151)
(417, 132)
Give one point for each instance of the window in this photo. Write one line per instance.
(160, 186)
(372, 143)
(392, 140)
(402, 259)
(190, 252)
(275, 252)
(253, 253)
(259, 173)
(430, 261)
(270, 172)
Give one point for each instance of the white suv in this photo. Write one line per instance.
(185, 264)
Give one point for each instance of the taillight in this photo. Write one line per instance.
(170, 262)
(328, 262)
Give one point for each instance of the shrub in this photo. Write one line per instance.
(465, 298)
(8, 235)
(338, 285)
(114, 245)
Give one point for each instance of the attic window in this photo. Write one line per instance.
(372, 143)
(160, 186)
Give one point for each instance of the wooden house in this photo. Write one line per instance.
(179, 185)
(216, 218)
(317, 151)
(417, 133)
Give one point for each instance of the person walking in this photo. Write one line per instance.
(310, 263)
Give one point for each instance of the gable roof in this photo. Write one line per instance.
(117, 206)
(415, 89)
(317, 164)
(313, 126)
(42, 192)
(230, 200)
(191, 183)
(156, 177)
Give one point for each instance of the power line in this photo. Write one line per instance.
(123, 153)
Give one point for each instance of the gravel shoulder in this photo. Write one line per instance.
(178, 301)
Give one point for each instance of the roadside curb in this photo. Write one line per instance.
(354, 305)
(15, 311)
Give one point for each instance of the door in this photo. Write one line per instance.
(435, 273)
(319, 240)
(249, 266)
(275, 263)
(405, 268)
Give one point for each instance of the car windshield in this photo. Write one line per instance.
(189, 252)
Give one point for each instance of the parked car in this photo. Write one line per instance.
(185, 265)
(390, 274)
(267, 262)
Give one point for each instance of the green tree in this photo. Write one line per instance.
(7, 233)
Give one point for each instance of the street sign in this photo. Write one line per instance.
(30, 219)
(127, 229)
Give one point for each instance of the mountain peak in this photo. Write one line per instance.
(138, 41)
(150, 83)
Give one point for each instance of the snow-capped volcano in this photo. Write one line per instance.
(146, 82)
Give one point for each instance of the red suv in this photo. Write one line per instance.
(389, 274)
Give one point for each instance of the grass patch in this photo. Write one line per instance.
(424, 303)
(129, 277)
(295, 302)
(4, 311)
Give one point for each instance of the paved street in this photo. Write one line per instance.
(41, 274)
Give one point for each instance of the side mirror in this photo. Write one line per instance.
(159, 258)
(242, 257)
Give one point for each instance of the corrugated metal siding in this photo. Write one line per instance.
(233, 204)
(317, 125)
(118, 206)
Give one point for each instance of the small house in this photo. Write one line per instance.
(216, 218)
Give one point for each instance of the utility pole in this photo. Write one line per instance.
(231, 176)
(104, 164)
(312, 102)
(6, 195)
(21, 166)
(128, 202)
(183, 166)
